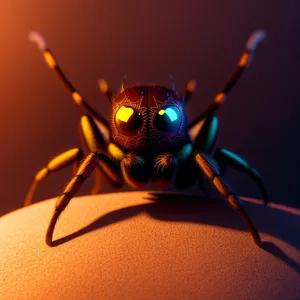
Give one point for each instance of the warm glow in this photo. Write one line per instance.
(103, 85)
(62, 159)
(161, 112)
(124, 113)
(42, 174)
(122, 89)
(220, 98)
(115, 151)
(49, 59)
(77, 98)
(244, 60)
(191, 86)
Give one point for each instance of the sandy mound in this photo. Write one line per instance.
(140, 245)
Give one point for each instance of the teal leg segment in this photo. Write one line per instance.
(205, 139)
(226, 158)
(204, 136)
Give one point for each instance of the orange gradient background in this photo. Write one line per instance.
(199, 40)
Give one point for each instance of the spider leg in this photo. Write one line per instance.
(189, 90)
(94, 140)
(59, 162)
(244, 62)
(133, 167)
(205, 141)
(97, 186)
(226, 157)
(103, 86)
(52, 63)
(86, 168)
(98, 178)
(204, 137)
(211, 170)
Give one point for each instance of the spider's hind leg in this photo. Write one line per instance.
(226, 158)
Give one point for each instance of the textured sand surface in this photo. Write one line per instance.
(140, 245)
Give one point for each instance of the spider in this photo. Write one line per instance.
(147, 138)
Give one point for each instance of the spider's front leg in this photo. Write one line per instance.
(133, 167)
(211, 170)
(84, 171)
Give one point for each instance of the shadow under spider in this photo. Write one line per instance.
(201, 210)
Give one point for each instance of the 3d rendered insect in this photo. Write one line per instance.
(148, 137)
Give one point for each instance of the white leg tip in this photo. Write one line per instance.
(37, 38)
(255, 38)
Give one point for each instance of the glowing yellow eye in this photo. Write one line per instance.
(124, 113)
(128, 120)
(161, 112)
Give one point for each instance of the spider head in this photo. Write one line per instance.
(148, 118)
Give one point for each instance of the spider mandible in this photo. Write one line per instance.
(148, 138)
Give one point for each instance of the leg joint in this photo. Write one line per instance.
(81, 177)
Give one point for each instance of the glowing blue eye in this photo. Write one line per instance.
(170, 112)
(168, 119)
